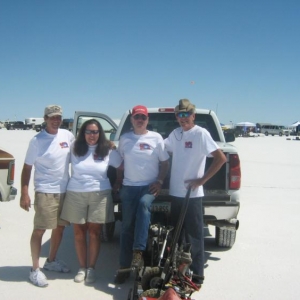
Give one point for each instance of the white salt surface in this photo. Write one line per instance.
(264, 263)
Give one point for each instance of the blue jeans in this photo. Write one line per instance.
(192, 230)
(136, 202)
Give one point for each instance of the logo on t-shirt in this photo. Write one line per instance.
(188, 144)
(144, 146)
(64, 145)
(97, 157)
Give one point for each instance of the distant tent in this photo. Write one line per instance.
(245, 124)
(295, 124)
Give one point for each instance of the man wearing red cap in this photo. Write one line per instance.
(145, 167)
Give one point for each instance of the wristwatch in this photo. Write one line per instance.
(160, 181)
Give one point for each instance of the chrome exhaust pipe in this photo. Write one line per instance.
(233, 224)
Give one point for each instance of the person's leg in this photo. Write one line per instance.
(194, 234)
(94, 230)
(129, 207)
(55, 240)
(35, 245)
(80, 231)
(36, 276)
(94, 247)
(142, 222)
(176, 207)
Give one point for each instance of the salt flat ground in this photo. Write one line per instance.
(264, 263)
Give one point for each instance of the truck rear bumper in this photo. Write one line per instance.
(221, 211)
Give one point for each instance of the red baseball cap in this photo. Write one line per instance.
(140, 109)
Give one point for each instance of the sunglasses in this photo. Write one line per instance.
(91, 131)
(184, 114)
(137, 117)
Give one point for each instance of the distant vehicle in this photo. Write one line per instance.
(65, 124)
(34, 121)
(275, 130)
(19, 125)
(7, 173)
(40, 127)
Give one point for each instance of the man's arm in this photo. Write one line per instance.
(163, 170)
(219, 159)
(120, 175)
(25, 201)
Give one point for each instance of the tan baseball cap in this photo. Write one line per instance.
(53, 110)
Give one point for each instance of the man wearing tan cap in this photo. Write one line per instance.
(49, 153)
(190, 144)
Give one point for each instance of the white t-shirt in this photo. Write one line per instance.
(142, 154)
(190, 149)
(89, 172)
(50, 155)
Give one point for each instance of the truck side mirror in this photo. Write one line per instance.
(229, 137)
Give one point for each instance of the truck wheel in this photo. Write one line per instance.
(107, 232)
(151, 278)
(225, 237)
(266, 133)
(280, 133)
(151, 293)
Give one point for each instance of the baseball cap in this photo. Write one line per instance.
(53, 110)
(185, 105)
(140, 109)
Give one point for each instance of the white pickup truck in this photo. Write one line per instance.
(221, 201)
(7, 172)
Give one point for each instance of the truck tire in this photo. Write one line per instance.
(151, 278)
(266, 133)
(107, 232)
(225, 238)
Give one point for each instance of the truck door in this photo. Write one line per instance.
(108, 125)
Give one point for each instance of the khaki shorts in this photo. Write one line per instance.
(92, 207)
(47, 210)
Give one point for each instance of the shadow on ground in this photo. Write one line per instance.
(106, 266)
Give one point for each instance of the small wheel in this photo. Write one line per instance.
(151, 278)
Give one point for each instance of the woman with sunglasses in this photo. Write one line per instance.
(146, 164)
(88, 202)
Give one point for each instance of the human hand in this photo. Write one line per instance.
(25, 202)
(193, 183)
(155, 188)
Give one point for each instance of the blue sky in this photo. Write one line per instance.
(238, 58)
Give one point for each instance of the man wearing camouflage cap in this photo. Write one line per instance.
(49, 153)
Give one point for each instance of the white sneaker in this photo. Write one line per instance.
(90, 275)
(56, 265)
(38, 278)
(80, 275)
